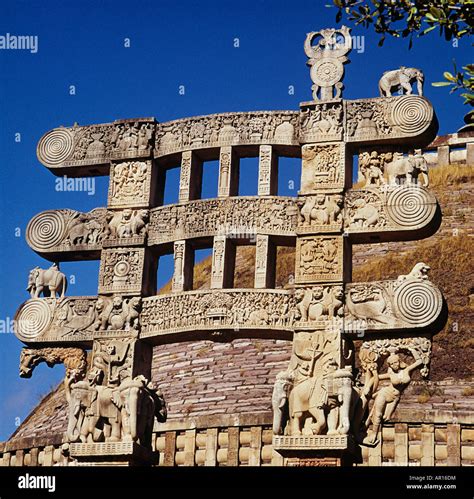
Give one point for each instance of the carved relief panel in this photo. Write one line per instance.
(130, 184)
(324, 167)
(319, 258)
(320, 213)
(121, 270)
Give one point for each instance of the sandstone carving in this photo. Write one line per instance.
(220, 130)
(62, 231)
(74, 360)
(318, 302)
(213, 310)
(127, 226)
(323, 167)
(121, 270)
(410, 300)
(319, 398)
(235, 217)
(132, 139)
(321, 212)
(324, 406)
(321, 122)
(48, 282)
(118, 313)
(375, 120)
(398, 207)
(401, 79)
(326, 61)
(130, 183)
(106, 405)
(318, 258)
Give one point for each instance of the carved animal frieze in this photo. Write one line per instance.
(321, 213)
(66, 231)
(389, 209)
(80, 146)
(126, 227)
(411, 301)
(318, 304)
(384, 119)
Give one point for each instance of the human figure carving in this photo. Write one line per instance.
(386, 399)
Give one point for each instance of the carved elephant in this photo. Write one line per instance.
(79, 396)
(401, 78)
(49, 282)
(330, 411)
(399, 168)
(280, 393)
(140, 405)
(79, 233)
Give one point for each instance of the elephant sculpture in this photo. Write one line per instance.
(401, 78)
(400, 167)
(47, 281)
(79, 231)
(140, 404)
(410, 168)
(326, 399)
(125, 412)
(283, 384)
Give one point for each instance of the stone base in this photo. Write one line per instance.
(317, 450)
(111, 454)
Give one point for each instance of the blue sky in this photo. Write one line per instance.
(171, 44)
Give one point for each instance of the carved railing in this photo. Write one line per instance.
(430, 439)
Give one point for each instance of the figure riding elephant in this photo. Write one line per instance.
(327, 398)
(49, 282)
(401, 78)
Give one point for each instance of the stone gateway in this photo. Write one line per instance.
(333, 398)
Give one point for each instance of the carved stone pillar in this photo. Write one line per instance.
(267, 172)
(190, 177)
(183, 266)
(265, 262)
(223, 262)
(228, 173)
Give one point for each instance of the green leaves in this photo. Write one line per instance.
(402, 18)
(460, 80)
